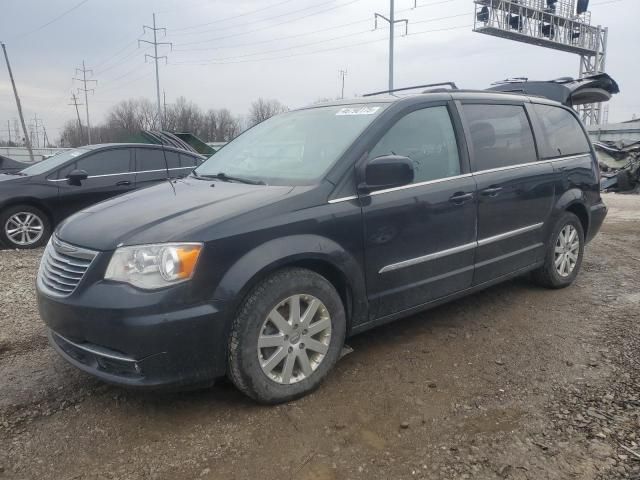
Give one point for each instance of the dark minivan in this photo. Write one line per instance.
(318, 224)
(34, 200)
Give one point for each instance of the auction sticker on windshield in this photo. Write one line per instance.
(358, 111)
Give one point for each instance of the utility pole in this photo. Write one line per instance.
(164, 104)
(392, 23)
(9, 130)
(86, 90)
(343, 73)
(35, 130)
(155, 56)
(75, 103)
(27, 140)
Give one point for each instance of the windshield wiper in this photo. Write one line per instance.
(228, 178)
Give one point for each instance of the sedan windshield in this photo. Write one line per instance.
(294, 148)
(54, 162)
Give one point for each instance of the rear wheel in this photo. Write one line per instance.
(564, 253)
(288, 334)
(24, 226)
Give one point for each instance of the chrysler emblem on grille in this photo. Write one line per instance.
(63, 247)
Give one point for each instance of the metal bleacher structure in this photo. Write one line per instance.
(563, 25)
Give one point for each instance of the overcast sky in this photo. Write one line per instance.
(229, 52)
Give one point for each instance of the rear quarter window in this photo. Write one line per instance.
(501, 135)
(562, 133)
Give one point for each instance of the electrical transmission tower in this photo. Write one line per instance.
(155, 57)
(75, 103)
(392, 23)
(342, 73)
(86, 90)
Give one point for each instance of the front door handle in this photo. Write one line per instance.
(123, 183)
(491, 191)
(460, 198)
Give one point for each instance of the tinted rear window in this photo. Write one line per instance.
(563, 135)
(500, 134)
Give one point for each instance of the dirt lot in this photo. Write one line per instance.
(514, 382)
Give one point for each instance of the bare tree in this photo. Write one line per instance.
(262, 109)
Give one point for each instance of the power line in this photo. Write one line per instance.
(266, 27)
(339, 47)
(269, 7)
(66, 12)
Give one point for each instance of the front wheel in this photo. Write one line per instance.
(24, 226)
(287, 336)
(564, 252)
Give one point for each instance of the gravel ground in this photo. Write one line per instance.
(514, 382)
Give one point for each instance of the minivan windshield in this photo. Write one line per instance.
(294, 148)
(54, 162)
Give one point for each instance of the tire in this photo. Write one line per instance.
(555, 273)
(256, 370)
(15, 217)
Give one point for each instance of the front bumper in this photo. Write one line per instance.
(137, 339)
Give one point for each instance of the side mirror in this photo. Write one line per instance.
(75, 177)
(388, 171)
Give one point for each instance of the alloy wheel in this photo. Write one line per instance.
(294, 339)
(24, 228)
(566, 251)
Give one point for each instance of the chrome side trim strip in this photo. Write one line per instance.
(459, 248)
(427, 258)
(512, 233)
(125, 173)
(343, 199)
(420, 184)
(535, 162)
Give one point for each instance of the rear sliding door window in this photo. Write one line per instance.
(500, 134)
(427, 137)
(563, 135)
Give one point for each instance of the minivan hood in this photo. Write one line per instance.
(177, 211)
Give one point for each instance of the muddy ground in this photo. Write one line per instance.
(514, 382)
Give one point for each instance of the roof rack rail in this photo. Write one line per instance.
(429, 85)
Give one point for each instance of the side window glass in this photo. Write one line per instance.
(187, 161)
(427, 137)
(66, 170)
(148, 159)
(104, 163)
(173, 159)
(500, 134)
(562, 132)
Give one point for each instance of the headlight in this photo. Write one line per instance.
(154, 266)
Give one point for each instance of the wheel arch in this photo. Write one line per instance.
(32, 202)
(315, 253)
(574, 201)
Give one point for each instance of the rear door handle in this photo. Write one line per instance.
(123, 183)
(491, 191)
(460, 198)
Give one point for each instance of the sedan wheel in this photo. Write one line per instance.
(24, 228)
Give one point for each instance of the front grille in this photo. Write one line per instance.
(63, 266)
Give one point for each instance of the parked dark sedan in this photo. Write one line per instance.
(11, 165)
(34, 200)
